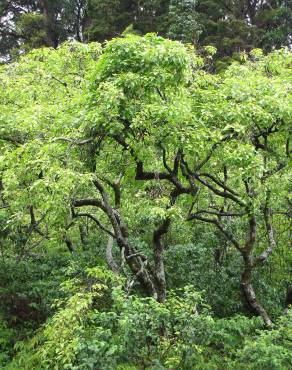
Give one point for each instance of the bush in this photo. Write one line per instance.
(270, 349)
(99, 326)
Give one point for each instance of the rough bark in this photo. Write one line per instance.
(246, 277)
(158, 259)
(249, 292)
(109, 255)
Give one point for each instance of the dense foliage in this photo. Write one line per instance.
(145, 214)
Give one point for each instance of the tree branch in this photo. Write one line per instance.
(74, 141)
(215, 222)
(98, 223)
(270, 234)
(223, 194)
(219, 183)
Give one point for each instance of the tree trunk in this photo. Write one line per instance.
(109, 255)
(158, 259)
(138, 267)
(69, 244)
(249, 293)
(47, 11)
(84, 237)
(134, 259)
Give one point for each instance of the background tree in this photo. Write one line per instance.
(106, 20)
(31, 24)
(183, 21)
(230, 26)
(235, 26)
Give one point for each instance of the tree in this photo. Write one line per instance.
(105, 20)
(143, 140)
(235, 26)
(240, 127)
(183, 22)
(31, 24)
